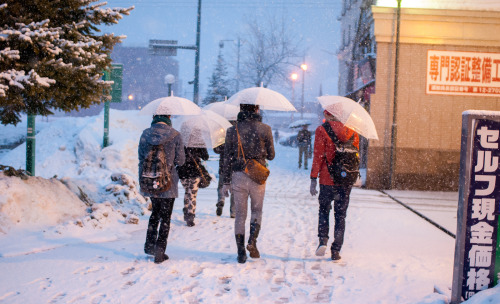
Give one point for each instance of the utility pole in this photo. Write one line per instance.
(197, 57)
(394, 132)
(238, 66)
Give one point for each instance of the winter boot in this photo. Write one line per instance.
(240, 243)
(320, 251)
(252, 240)
(218, 211)
(160, 255)
(189, 220)
(335, 255)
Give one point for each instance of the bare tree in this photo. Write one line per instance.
(268, 52)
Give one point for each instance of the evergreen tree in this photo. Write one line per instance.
(52, 56)
(218, 87)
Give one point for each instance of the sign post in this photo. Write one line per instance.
(477, 256)
(115, 75)
(30, 145)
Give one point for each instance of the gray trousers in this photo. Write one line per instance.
(243, 187)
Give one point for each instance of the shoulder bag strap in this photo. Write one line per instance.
(199, 169)
(240, 146)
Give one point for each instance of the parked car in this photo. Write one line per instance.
(289, 140)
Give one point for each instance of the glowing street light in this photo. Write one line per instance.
(304, 69)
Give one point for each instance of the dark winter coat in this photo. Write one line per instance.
(163, 134)
(324, 150)
(193, 157)
(304, 138)
(256, 139)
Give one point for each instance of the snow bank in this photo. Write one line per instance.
(36, 202)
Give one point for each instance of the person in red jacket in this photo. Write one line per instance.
(324, 151)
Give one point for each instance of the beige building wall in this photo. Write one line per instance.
(427, 153)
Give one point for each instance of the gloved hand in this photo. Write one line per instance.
(312, 188)
(226, 189)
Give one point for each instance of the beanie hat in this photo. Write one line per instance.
(161, 118)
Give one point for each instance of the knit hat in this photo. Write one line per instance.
(161, 118)
(252, 108)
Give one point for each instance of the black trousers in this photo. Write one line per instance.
(340, 198)
(162, 212)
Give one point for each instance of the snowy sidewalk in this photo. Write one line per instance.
(390, 255)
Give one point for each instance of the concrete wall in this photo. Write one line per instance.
(427, 153)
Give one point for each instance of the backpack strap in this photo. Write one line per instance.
(332, 134)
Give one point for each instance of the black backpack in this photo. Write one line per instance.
(155, 177)
(344, 169)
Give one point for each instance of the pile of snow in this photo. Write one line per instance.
(36, 202)
(77, 181)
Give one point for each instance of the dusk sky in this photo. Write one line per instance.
(315, 21)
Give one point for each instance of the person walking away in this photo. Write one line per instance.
(220, 194)
(256, 140)
(161, 134)
(276, 135)
(324, 151)
(190, 176)
(304, 144)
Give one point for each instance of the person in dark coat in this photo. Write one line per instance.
(324, 151)
(257, 143)
(220, 195)
(161, 133)
(304, 144)
(190, 175)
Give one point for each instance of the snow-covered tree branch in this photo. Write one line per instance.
(52, 55)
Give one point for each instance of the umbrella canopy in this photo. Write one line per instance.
(171, 105)
(351, 114)
(299, 123)
(265, 98)
(205, 130)
(228, 111)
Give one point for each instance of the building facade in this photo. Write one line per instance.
(449, 62)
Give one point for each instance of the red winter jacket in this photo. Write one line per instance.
(324, 147)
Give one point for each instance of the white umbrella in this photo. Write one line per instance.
(351, 114)
(171, 105)
(228, 111)
(265, 98)
(205, 130)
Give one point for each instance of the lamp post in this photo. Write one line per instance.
(169, 80)
(304, 69)
(294, 77)
(221, 45)
(394, 132)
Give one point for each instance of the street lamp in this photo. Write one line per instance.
(304, 69)
(394, 132)
(294, 77)
(169, 80)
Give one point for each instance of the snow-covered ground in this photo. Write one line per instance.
(78, 237)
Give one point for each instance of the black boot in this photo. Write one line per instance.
(160, 255)
(252, 240)
(240, 243)
(189, 218)
(335, 255)
(218, 211)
